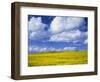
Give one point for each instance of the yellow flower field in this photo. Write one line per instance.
(57, 58)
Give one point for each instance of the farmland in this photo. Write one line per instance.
(57, 58)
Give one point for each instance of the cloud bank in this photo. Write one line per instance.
(61, 29)
(66, 29)
(35, 49)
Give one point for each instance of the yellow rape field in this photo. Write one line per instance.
(58, 58)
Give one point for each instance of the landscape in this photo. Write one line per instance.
(57, 58)
(57, 40)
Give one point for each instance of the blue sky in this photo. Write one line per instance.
(57, 33)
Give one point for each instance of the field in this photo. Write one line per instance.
(57, 58)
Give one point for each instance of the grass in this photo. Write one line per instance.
(57, 58)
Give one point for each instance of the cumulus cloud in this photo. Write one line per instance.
(67, 29)
(36, 28)
(62, 29)
(60, 24)
(38, 35)
(66, 36)
(35, 24)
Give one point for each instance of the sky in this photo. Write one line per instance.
(57, 33)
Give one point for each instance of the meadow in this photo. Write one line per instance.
(57, 58)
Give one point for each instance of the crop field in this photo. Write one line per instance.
(58, 58)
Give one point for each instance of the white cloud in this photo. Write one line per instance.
(67, 29)
(73, 22)
(47, 49)
(56, 25)
(61, 29)
(66, 36)
(38, 49)
(60, 24)
(36, 28)
(69, 48)
(38, 35)
(35, 24)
